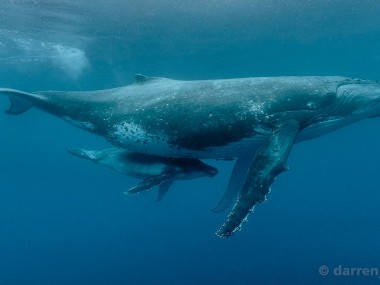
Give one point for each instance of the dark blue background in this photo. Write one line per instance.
(66, 221)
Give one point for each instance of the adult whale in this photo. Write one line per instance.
(255, 120)
(154, 170)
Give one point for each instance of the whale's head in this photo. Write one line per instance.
(354, 100)
(359, 99)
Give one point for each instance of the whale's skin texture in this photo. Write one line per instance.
(216, 119)
(202, 119)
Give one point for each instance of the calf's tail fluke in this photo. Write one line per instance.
(20, 101)
(86, 154)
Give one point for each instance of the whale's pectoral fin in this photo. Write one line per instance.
(235, 184)
(149, 182)
(268, 162)
(164, 187)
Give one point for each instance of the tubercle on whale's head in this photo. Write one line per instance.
(360, 98)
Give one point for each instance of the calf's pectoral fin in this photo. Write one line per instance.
(149, 182)
(269, 161)
(164, 187)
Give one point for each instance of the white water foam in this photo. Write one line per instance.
(69, 59)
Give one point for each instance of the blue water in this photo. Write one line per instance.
(65, 221)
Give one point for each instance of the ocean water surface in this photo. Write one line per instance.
(65, 221)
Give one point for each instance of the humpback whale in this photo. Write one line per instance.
(253, 120)
(154, 170)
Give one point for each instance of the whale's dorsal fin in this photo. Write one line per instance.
(141, 79)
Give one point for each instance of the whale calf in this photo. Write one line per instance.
(154, 170)
(253, 120)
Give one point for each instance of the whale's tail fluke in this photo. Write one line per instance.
(20, 101)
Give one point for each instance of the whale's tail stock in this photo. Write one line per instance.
(20, 101)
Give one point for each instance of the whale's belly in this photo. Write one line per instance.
(160, 146)
(135, 139)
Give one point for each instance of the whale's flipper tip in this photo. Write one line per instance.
(233, 224)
